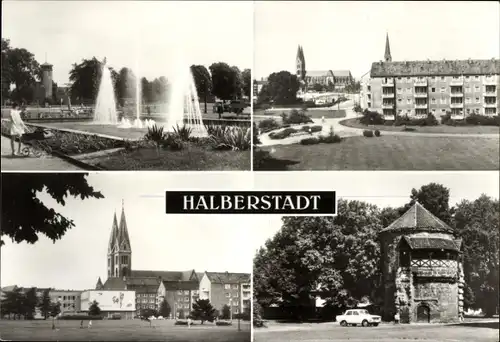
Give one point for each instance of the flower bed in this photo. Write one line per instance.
(70, 143)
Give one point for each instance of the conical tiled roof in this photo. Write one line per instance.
(114, 234)
(420, 219)
(387, 55)
(99, 285)
(123, 231)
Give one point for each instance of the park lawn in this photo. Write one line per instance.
(120, 330)
(465, 332)
(191, 158)
(473, 129)
(388, 153)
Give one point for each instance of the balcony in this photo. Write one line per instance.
(421, 105)
(387, 105)
(420, 95)
(490, 105)
(420, 83)
(488, 92)
(387, 95)
(457, 105)
(490, 81)
(457, 94)
(457, 81)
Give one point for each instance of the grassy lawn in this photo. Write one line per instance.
(120, 330)
(465, 332)
(192, 157)
(426, 129)
(389, 153)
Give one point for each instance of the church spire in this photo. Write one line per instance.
(387, 55)
(123, 231)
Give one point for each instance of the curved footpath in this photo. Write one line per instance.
(346, 131)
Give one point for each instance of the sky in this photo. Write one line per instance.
(68, 31)
(351, 35)
(162, 242)
(382, 188)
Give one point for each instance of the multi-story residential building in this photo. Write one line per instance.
(70, 299)
(418, 88)
(180, 296)
(224, 288)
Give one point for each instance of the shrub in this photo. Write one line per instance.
(173, 142)
(316, 129)
(268, 125)
(377, 133)
(430, 120)
(282, 134)
(306, 128)
(179, 322)
(368, 133)
(409, 129)
(357, 108)
(309, 141)
(476, 119)
(233, 138)
(295, 117)
(330, 139)
(183, 132)
(371, 118)
(223, 323)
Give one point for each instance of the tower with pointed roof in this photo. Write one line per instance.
(300, 63)
(119, 248)
(387, 54)
(422, 269)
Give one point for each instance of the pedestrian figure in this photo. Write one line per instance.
(323, 119)
(81, 324)
(90, 324)
(17, 128)
(396, 318)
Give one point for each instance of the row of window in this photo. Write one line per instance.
(68, 297)
(228, 286)
(442, 90)
(455, 111)
(487, 100)
(442, 78)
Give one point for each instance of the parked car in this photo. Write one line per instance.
(358, 316)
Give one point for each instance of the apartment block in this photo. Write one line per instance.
(224, 288)
(419, 88)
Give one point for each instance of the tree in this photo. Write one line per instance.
(94, 309)
(30, 303)
(147, 90)
(247, 82)
(335, 258)
(19, 68)
(44, 304)
(12, 303)
(477, 223)
(317, 87)
(435, 198)
(85, 78)
(55, 309)
(282, 87)
(203, 82)
(225, 80)
(159, 89)
(226, 312)
(165, 309)
(21, 190)
(203, 311)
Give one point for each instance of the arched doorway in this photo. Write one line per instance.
(423, 313)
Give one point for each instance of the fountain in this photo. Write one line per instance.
(105, 108)
(182, 104)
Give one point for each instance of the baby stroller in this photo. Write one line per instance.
(35, 142)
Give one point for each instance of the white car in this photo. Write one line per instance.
(358, 316)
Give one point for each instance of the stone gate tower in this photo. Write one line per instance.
(119, 249)
(47, 79)
(422, 269)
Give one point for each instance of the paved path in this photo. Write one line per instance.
(31, 163)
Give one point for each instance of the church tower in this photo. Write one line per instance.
(119, 249)
(387, 55)
(300, 63)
